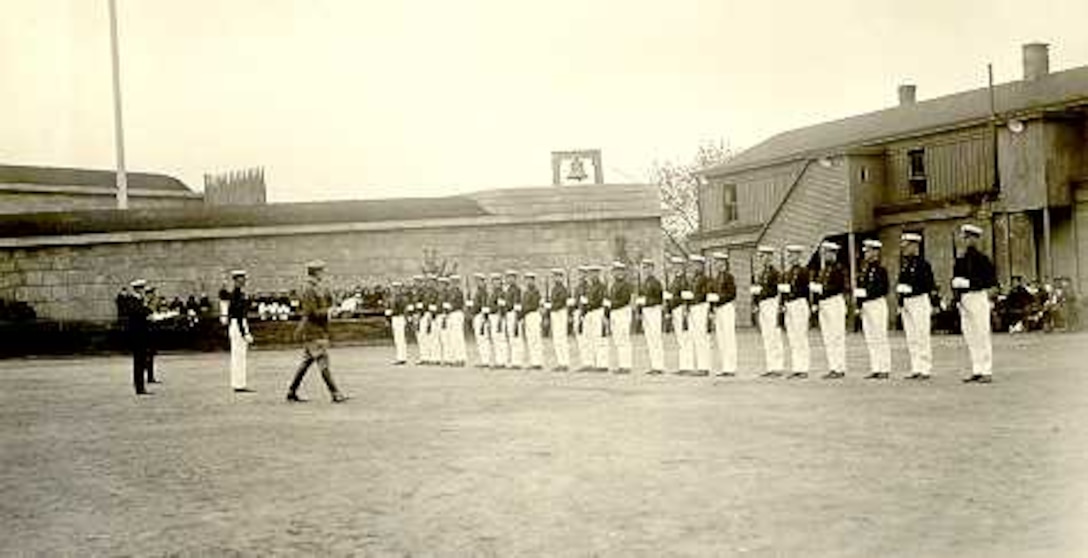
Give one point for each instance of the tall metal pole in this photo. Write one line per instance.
(118, 128)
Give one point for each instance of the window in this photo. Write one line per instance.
(916, 160)
(864, 174)
(729, 203)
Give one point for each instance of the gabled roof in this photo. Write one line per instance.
(1056, 90)
(59, 176)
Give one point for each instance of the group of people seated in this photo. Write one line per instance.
(1033, 306)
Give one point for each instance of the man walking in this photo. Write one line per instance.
(313, 331)
(973, 277)
(765, 295)
(915, 288)
(870, 295)
(722, 296)
(829, 291)
(238, 332)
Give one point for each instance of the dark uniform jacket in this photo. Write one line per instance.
(620, 293)
(918, 275)
(797, 278)
(479, 300)
(455, 298)
(768, 282)
(400, 304)
(595, 294)
(833, 281)
(559, 295)
(679, 285)
(237, 309)
(700, 287)
(976, 268)
(651, 290)
(725, 286)
(530, 301)
(513, 297)
(874, 279)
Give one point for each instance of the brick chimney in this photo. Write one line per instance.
(907, 93)
(1036, 61)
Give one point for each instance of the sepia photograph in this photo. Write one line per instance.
(562, 278)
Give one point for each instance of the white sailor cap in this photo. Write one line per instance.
(138, 283)
(696, 258)
(593, 267)
(647, 261)
(529, 274)
(431, 276)
(618, 265)
(828, 245)
(795, 248)
(443, 279)
(238, 273)
(971, 230)
(720, 256)
(911, 237)
(583, 268)
(511, 273)
(398, 284)
(872, 243)
(764, 249)
(480, 275)
(496, 275)
(455, 277)
(676, 260)
(417, 278)
(315, 264)
(558, 271)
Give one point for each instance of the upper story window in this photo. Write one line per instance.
(729, 203)
(916, 169)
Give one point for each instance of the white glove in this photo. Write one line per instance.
(583, 300)
(755, 289)
(817, 288)
(432, 308)
(447, 306)
(469, 303)
(904, 289)
(666, 295)
(607, 303)
(687, 295)
(570, 302)
(388, 312)
(961, 283)
(411, 307)
(502, 302)
(712, 297)
(517, 308)
(641, 301)
(860, 293)
(249, 339)
(486, 309)
(784, 288)
(548, 305)
(223, 320)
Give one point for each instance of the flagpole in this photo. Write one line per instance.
(118, 129)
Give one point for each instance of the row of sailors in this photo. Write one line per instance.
(507, 320)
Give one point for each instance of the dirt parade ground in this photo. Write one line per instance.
(467, 462)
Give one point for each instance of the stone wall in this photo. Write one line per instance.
(76, 278)
(13, 201)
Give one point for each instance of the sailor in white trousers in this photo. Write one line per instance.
(870, 294)
(722, 297)
(914, 288)
(765, 296)
(650, 301)
(560, 304)
(829, 290)
(238, 332)
(973, 277)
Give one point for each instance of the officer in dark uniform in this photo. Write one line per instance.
(915, 288)
(973, 278)
(137, 323)
(581, 333)
(455, 326)
(650, 299)
(497, 318)
(313, 330)
(870, 295)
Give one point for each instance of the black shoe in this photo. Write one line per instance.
(917, 376)
(771, 374)
(682, 373)
(834, 375)
(654, 372)
(797, 376)
(294, 398)
(339, 398)
(985, 379)
(244, 390)
(725, 374)
(701, 373)
(145, 392)
(399, 362)
(877, 376)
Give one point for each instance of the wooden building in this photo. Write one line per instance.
(1012, 159)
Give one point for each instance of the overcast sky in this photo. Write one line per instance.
(368, 99)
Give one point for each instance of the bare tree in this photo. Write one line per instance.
(679, 187)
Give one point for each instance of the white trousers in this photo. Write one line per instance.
(975, 323)
(399, 342)
(797, 315)
(651, 328)
(833, 331)
(585, 356)
(239, 350)
(534, 338)
(426, 337)
(595, 339)
(874, 322)
(773, 356)
(498, 341)
(559, 337)
(916, 313)
(621, 336)
(455, 335)
(515, 335)
(700, 337)
(686, 359)
(725, 329)
(480, 327)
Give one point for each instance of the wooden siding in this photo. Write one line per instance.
(759, 193)
(956, 163)
(814, 209)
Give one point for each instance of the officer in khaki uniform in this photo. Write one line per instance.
(313, 331)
